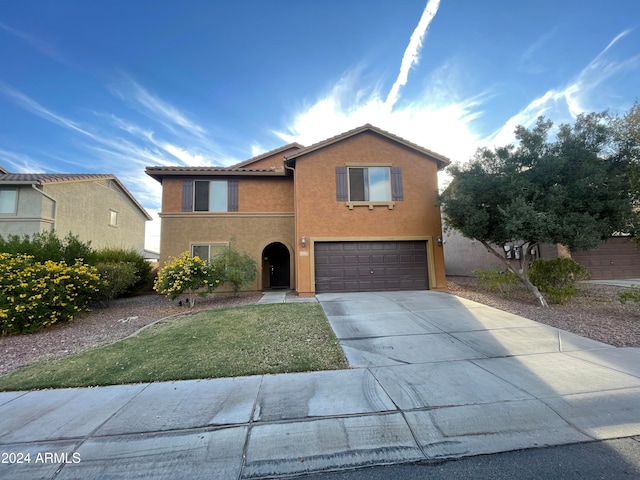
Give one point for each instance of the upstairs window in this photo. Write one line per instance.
(8, 201)
(113, 218)
(210, 196)
(369, 184)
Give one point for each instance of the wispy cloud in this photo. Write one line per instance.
(36, 108)
(566, 103)
(157, 109)
(412, 52)
(528, 62)
(20, 163)
(46, 47)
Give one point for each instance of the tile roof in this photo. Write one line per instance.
(41, 178)
(47, 178)
(159, 172)
(268, 154)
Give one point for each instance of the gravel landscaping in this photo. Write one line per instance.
(594, 312)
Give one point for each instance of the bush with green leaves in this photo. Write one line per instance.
(557, 277)
(35, 295)
(238, 269)
(187, 275)
(48, 246)
(116, 278)
(631, 295)
(143, 269)
(496, 280)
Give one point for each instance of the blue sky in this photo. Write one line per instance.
(114, 86)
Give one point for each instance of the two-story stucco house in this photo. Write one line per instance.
(355, 212)
(96, 208)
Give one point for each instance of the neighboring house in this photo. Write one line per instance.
(96, 208)
(616, 258)
(355, 212)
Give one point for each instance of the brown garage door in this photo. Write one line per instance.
(370, 266)
(617, 258)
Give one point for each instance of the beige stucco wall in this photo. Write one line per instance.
(84, 208)
(463, 255)
(250, 233)
(34, 213)
(320, 217)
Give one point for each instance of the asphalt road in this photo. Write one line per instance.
(608, 460)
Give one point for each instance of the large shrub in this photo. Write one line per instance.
(116, 278)
(557, 277)
(237, 268)
(187, 275)
(48, 246)
(128, 258)
(496, 280)
(35, 295)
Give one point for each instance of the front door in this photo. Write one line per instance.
(276, 259)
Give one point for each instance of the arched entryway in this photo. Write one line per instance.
(276, 264)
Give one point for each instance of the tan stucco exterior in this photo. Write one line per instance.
(319, 217)
(282, 200)
(96, 209)
(84, 208)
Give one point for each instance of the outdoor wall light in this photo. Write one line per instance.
(439, 241)
(303, 242)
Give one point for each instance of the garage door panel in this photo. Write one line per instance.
(371, 266)
(617, 258)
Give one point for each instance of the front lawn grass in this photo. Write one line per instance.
(228, 342)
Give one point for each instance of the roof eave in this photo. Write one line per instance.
(159, 174)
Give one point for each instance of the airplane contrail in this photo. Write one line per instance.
(412, 52)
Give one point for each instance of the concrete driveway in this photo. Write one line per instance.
(471, 379)
(434, 377)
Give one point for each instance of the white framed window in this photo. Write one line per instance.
(369, 184)
(8, 201)
(206, 251)
(210, 196)
(113, 218)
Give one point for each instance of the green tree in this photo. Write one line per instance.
(627, 132)
(237, 268)
(571, 190)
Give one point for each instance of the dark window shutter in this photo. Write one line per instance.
(201, 196)
(232, 195)
(341, 184)
(396, 184)
(187, 196)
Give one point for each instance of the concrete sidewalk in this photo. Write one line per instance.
(434, 377)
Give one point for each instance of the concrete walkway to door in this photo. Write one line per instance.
(471, 379)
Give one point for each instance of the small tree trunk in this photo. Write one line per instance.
(524, 276)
